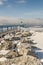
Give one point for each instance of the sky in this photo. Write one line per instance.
(21, 8)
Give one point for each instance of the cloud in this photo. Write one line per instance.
(21, 1)
(13, 20)
(8, 6)
(16, 1)
(8, 20)
(34, 14)
(2, 2)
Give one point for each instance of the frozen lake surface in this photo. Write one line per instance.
(38, 38)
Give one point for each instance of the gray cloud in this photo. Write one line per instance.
(21, 1)
(10, 20)
(2, 2)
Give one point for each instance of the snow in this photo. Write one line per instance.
(38, 38)
(3, 41)
(11, 35)
(13, 64)
(15, 42)
(18, 43)
(4, 52)
(3, 59)
(7, 36)
(41, 60)
(0, 43)
(16, 49)
(31, 31)
(34, 41)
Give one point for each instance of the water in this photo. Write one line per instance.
(4, 27)
(8, 27)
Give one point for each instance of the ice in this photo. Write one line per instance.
(38, 38)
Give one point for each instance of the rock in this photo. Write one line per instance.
(20, 53)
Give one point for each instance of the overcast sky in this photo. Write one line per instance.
(27, 9)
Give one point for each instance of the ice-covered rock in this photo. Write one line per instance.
(3, 59)
(3, 41)
(7, 36)
(4, 52)
(12, 35)
(15, 42)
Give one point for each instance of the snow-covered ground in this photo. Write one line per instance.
(38, 38)
(33, 29)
